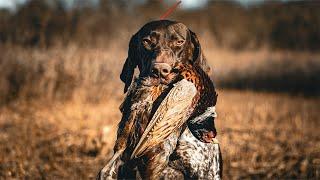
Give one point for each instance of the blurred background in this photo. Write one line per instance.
(60, 88)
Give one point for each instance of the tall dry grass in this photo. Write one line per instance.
(91, 73)
(59, 73)
(291, 72)
(59, 111)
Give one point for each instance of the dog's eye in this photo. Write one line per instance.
(179, 42)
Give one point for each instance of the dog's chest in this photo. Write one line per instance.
(195, 158)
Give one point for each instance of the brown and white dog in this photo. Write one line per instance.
(165, 52)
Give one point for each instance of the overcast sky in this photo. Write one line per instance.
(185, 3)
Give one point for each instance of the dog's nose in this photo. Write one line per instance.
(161, 69)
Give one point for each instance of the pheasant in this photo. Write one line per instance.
(150, 144)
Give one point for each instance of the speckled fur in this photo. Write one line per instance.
(197, 160)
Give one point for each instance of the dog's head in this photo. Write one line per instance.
(158, 47)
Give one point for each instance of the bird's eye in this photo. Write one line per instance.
(179, 42)
(175, 70)
(146, 41)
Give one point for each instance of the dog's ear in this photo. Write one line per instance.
(198, 58)
(130, 64)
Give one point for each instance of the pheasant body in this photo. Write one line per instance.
(138, 108)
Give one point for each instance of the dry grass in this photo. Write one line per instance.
(265, 70)
(59, 73)
(269, 135)
(261, 135)
(66, 73)
(59, 111)
(56, 141)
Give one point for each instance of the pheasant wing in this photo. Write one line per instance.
(173, 111)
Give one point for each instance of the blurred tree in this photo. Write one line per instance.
(278, 25)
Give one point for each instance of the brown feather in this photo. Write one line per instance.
(170, 115)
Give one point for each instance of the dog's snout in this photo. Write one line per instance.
(161, 69)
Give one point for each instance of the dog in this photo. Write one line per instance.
(165, 52)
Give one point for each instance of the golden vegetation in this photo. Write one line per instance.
(61, 120)
(261, 135)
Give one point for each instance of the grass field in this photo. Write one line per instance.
(262, 135)
(59, 112)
